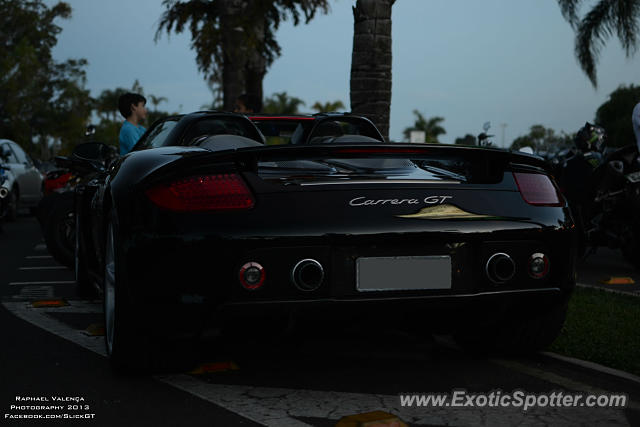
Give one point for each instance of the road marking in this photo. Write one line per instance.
(53, 267)
(279, 407)
(564, 382)
(38, 257)
(59, 282)
(39, 318)
(40, 247)
(35, 292)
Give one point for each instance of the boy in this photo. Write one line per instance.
(132, 107)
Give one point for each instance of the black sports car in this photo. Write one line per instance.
(213, 228)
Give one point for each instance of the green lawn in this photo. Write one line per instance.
(602, 327)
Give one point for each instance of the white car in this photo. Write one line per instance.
(26, 189)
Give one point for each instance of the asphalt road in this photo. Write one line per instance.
(51, 356)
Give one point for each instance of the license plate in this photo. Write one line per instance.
(634, 177)
(403, 273)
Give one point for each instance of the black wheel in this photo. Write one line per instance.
(13, 200)
(59, 230)
(516, 334)
(85, 287)
(131, 345)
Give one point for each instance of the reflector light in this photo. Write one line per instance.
(537, 189)
(251, 276)
(538, 265)
(203, 193)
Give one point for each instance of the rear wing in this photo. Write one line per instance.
(481, 165)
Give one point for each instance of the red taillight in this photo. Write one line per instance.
(537, 189)
(203, 193)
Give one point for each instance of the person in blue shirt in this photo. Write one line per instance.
(132, 107)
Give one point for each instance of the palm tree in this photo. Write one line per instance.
(606, 17)
(281, 103)
(327, 107)
(431, 127)
(235, 40)
(370, 90)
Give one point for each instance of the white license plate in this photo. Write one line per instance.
(403, 273)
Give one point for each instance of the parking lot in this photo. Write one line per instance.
(54, 351)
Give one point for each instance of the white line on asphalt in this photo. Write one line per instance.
(60, 282)
(53, 267)
(38, 257)
(40, 247)
(39, 318)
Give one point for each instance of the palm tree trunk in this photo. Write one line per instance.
(256, 65)
(233, 53)
(371, 62)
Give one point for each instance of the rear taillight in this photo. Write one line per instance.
(203, 193)
(537, 189)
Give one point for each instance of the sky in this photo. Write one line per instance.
(508, 62)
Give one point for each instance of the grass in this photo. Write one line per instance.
(602, 327)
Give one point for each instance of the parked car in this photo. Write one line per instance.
(212, 227)
(26, 189)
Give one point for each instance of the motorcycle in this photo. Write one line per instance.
(56, 210)
(602, 187)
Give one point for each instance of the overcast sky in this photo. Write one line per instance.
(469, 61)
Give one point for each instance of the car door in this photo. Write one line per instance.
(28, 176)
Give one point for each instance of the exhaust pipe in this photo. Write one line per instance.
(307, 275)
(500, 268)
(4, 192)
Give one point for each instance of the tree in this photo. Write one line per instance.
(235, 40)
(468, 139)
(40, 99)
(431, 127)
(615, 115)
(328, 107)
(606, 17)
(542, 140)
(370, 89)
(281, 103)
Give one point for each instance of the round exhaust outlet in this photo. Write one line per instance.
(307, 274)
(500, 268)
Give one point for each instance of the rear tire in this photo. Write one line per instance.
(131, 345)
(59, 231)
(516, 334)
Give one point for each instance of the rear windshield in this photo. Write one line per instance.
(229, 125)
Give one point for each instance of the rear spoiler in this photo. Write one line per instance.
(486, 164)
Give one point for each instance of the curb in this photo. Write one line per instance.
(613, 291)
(593, 366)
